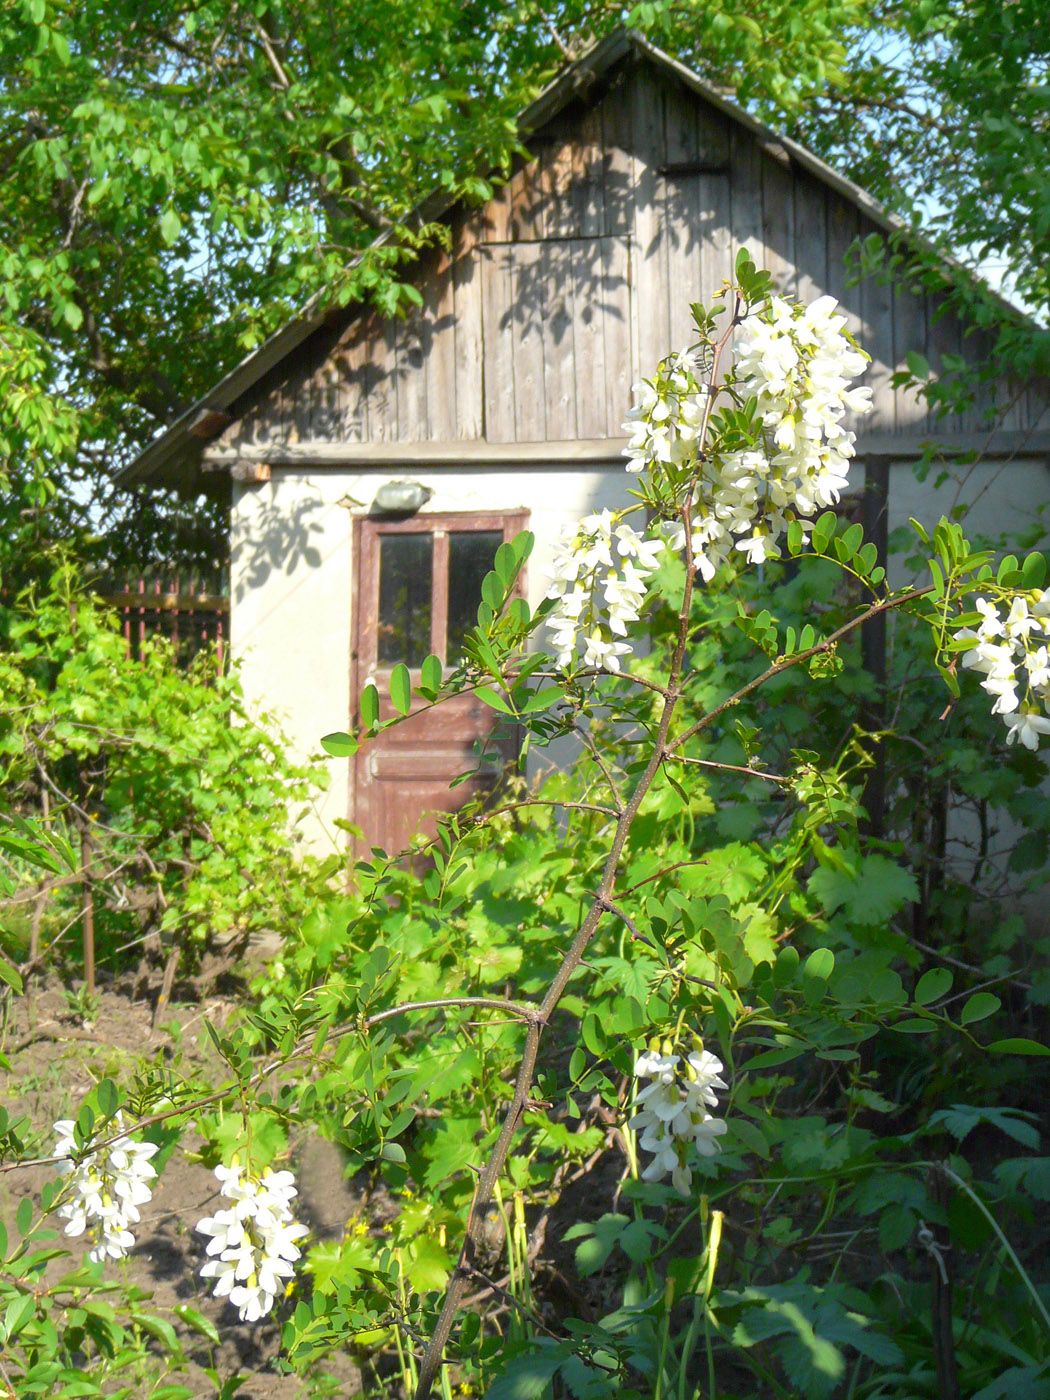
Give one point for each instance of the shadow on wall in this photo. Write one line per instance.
(273, 533)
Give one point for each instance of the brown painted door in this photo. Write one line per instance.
(418, 590)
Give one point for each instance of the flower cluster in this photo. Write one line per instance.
(668, 415)
(797, 363)
(672, 1110)
(1013, 654)
(253, 1243)
(107, 1187)
(599, 577)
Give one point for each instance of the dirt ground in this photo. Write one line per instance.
(56, 1058)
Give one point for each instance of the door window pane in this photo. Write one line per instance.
(403, 632)
(471, 554)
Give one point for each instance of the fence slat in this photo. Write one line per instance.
(190, 612)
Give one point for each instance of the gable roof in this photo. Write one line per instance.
(173, 457)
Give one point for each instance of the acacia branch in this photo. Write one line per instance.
(299, 1050)
(786, 662)
(600, 904)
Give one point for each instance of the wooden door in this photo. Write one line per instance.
(418, 590)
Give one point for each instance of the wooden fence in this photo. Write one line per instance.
(191, 611)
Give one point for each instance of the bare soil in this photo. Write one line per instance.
(56, 1058)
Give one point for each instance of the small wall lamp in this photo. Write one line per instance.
(400, 498)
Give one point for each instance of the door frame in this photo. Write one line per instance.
(366, 556)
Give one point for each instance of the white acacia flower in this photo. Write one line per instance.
(254, 1243)
(599, 577)
(1027, 725)
(107, 1187)
(1012, 655)
(671, 1112)
(797, 363)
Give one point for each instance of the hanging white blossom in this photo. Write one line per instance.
(106, 1188)
(1013, 655)
(599, 576)
(672, 1114)
(797, 362)
(254, 1242)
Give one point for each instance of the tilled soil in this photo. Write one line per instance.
(55, 1060)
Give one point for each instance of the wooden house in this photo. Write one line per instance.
(499, 403)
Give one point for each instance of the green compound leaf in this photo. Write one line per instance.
(493, 699)
(1018, 1045)
(822, 532)
(339, 745)
(979, 1006)
(24, 1216)
(11, 976)
(933, 985)
(369, 706)
(431, 674)
(401, 689)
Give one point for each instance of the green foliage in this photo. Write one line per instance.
(75, 1334)
(943, 121)
(196, 187)
(174, 785)
(695, 879)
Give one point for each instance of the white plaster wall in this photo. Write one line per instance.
(293, 570)
(998, 496)
(293, 575)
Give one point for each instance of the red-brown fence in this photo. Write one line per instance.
(191, 611)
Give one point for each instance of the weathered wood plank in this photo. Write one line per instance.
(681, 212)
(497, 318)
(876, 303)
(559, 381)
(354, 378)
(469, 352)
(560, 165)
(588, 188)
(617, 296)
(526, 219)
(992, 397)
(842, 222)
(410, 379)
(439, 348)
(651, 301)
(746, 175)
(253, 427)
(295, 392)
(527, 289)
(778, 222)
(382, 392)
(942, 338)
(618, 188)
(909, 336)
(322, 397)
(495, 219)
(1034, 404)
(714, 203)
(587, 307)
(810, 237)
(842, 229)
(617, 160)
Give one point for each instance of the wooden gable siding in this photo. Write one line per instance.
(576, 278)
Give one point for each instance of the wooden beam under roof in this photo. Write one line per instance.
(476, 452)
